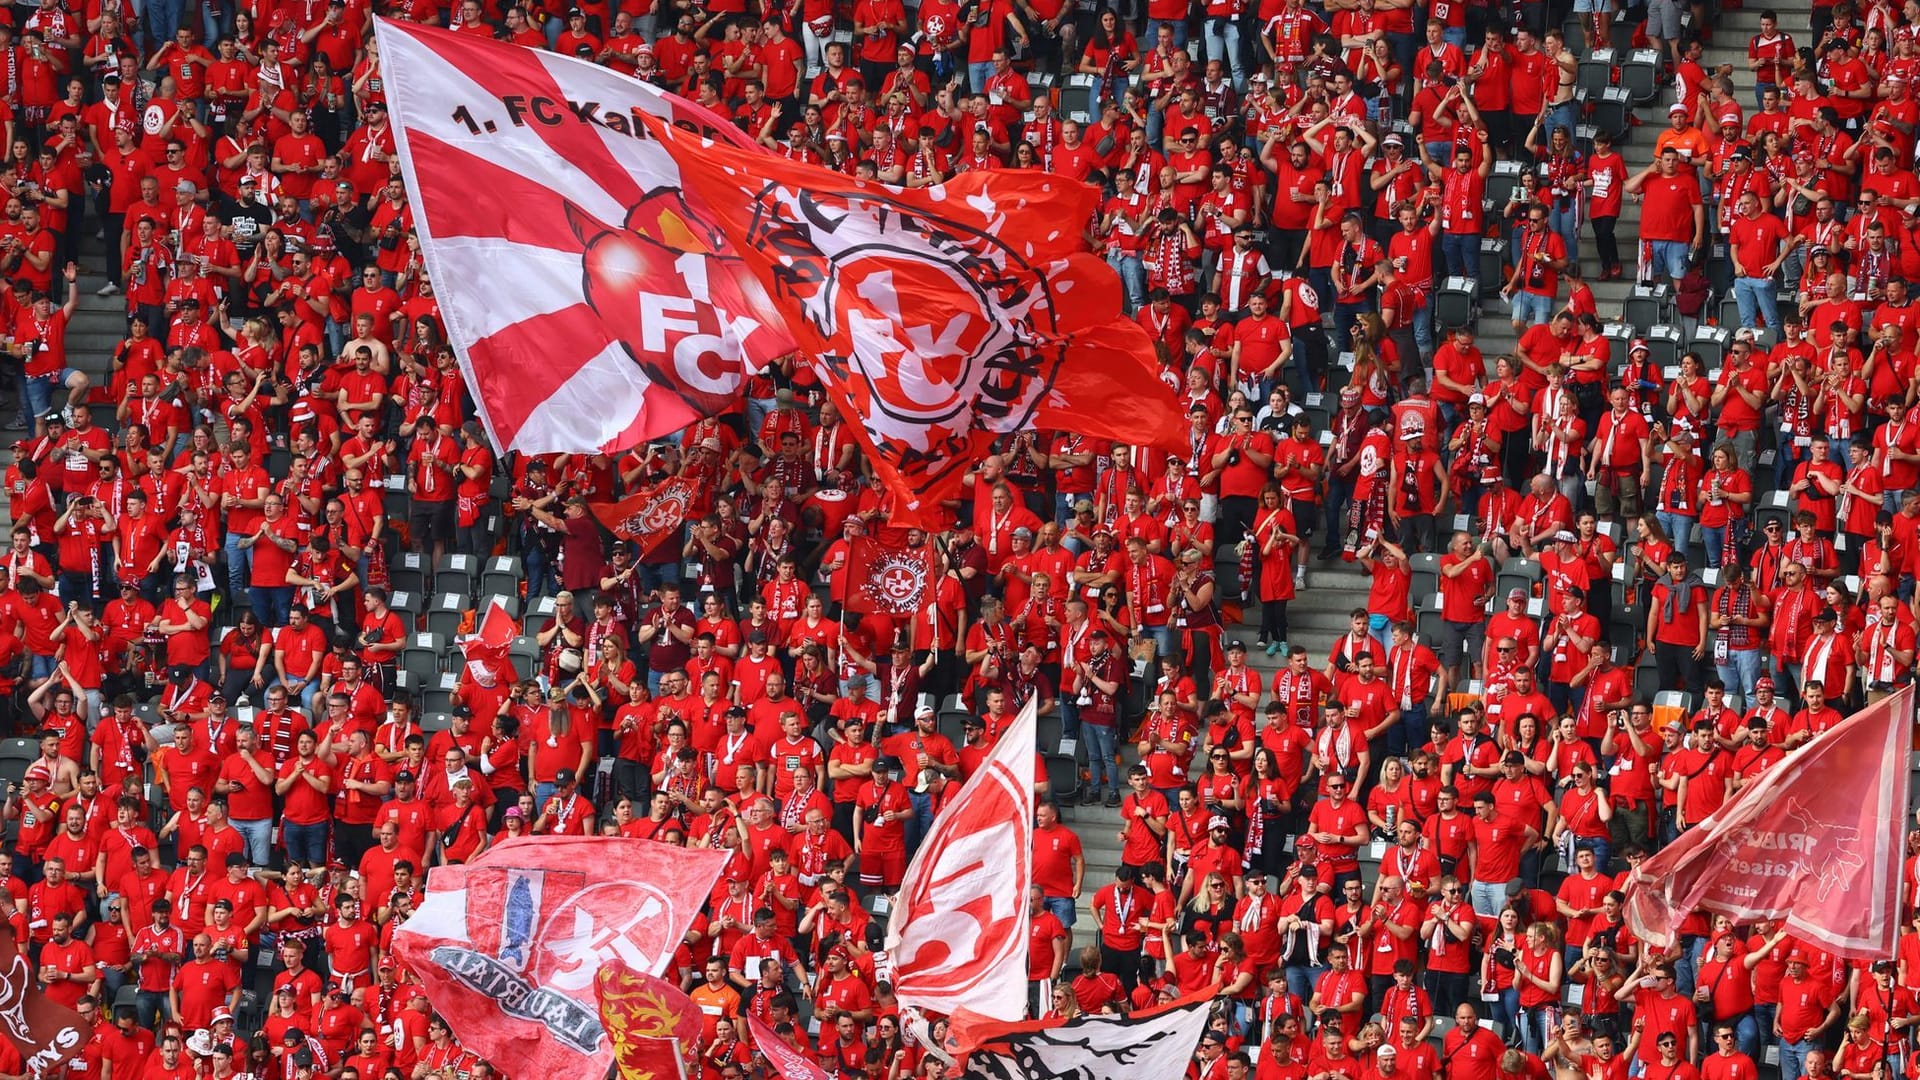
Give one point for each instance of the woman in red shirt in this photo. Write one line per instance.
(1725, 491)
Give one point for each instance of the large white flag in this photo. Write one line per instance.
(589, 302)
(1156, 1046)
(958, 936)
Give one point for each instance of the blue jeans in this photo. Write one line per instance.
(270, 603)
(1455, 36)
(1488, 897)
(1100, 764)
(1740, 672)
(1063, 908)
(1566, 223)
(259, 836)
(1679, 529)
(1462, 254)
(149, 1006)
(1532, 308)
(1715, 539)
(1223, 44)
(307, 843)
(239, 566)
(540, 579)
(1302, 978)
(920, 822)
(541, 793)
(1133, 275)
(1602, 852)
(1755, 296)
(1793, 1057)
(1670, 257)
(1423, 326)
(1069, 719)
(978, 74)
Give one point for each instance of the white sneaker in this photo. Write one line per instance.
(109, 289)
(1299, 577)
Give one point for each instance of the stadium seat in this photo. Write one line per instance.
(508, 601)
(422, 655)
(1076, 99)
(539, 614)
(525, 655)
(437, 693)
(1426, 573)
(1595, 73)
(1663, 345)
(1047, 732)
(407, 572)
(1063, 776)
(455, 573)
(1711, 343)
(1493, 265)
(446, 612)
(1719, 269)
(1639, 75)
(1457, 302)
(1611, 114)
(1517, 573)
(1647, 306)
(436, 722)
(503, 574)
(1671, 706)
(1773, 506)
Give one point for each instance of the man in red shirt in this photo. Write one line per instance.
(1673, 219)
(1677, 626)
(1759, 247)
(1466, 584)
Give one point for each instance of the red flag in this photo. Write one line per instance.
(787, 1062)
(590, 304)
(494, 637)
(1816, 841)
(654, 1026)
(45, 1033)
(509, 945)
(939, 317)
(886, 578)
(652, 517)
(958, 936)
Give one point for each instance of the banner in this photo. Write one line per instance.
(509, 946)
(1154, 1045)
(887, 578)
(653, 516)
(589, 304)
(46, 1033)
(493, 639)
(1816, 840)
(655, 1028)
(938, 318)
(786, 1062)
(958, 935)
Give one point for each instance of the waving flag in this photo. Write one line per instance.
(1152, 1045)
(942, 316)
(958, 936)
(650, 517)
(886, 578)
(1816, 841)
(590, 304)
(509, 946)
(44, 1032)
(655, 1027)
(787, 1062)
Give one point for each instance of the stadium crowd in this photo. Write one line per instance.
(237, 791)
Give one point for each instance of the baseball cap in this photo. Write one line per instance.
(1218, 821)
(1565, 536)
(563, 777)
(1476, 399)
(1638, 345)
(1677, 110)
(1764, 682)
(1516, 594)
